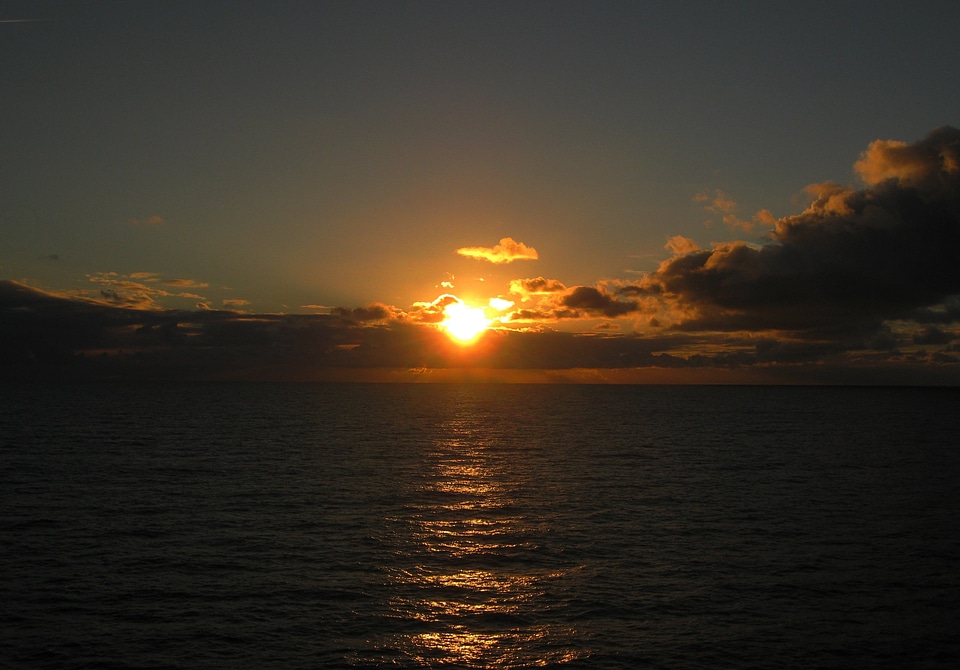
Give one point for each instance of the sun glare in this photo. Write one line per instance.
(464, 323)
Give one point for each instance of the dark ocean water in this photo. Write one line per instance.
(474, 526)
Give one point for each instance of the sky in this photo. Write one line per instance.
(751, 192)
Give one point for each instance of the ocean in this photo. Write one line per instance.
(478, 526)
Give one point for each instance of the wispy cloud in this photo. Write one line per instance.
(185, 283)
(507, 251)
(717, 202)
(720, 203)
(142, 290)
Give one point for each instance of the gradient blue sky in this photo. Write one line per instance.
(294, 156)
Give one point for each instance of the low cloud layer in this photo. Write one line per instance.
(507, 251)
(861, 287)
(142, 290)
(47, 336)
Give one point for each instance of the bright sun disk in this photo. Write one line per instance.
(464, 323)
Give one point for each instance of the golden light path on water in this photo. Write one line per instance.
(472, 591)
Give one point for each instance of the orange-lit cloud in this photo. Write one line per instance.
(53, 336)
(828, 197)
(846, 266)
(722, 204)
(125, 290)
(507, 251)
(680, 245)
(578, 302)
(143, 290)
(718, 202)
(765, 217)
(926, 164)
(862, 281)
(186, 283)
(535, 286)
(430, 312)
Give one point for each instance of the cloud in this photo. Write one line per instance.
(578, 302)
(851, 261)
(860, 287)
(375, 311)
(597, 302)
(51, 336)
(507, 251)
(719, 202)
(947, 312)
(129, 290)
(680, 245)
(933, 335)
(722, 204)
(234, 302)
(186, 283)
(141, 290)
(429, 312)
(928, 165)
(765, 217)
(536, 286)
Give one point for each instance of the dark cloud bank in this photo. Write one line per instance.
(862, 287)
(853, 260)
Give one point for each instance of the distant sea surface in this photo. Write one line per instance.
(478, 526)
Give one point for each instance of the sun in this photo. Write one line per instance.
(464, 323)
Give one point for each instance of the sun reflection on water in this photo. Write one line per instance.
(470, 584)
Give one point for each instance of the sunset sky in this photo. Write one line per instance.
(637, 191)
